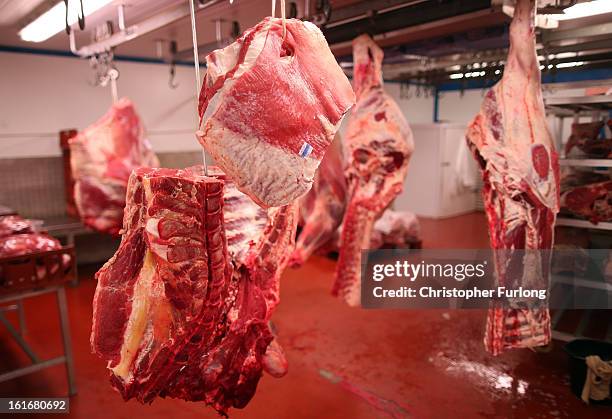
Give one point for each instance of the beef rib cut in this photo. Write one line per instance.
(14, 224)
(520, 169)
(379, 144)
(585, 137)
(179, 312)
(270, 108)
(592, 201)
(22, 244)
(322, 208)
(102, 158)
(26, 243)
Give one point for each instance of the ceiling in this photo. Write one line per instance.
(413, 32)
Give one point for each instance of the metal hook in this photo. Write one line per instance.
(80, 17)
(171, 81)
(235, 29)
(66, 20)
(293, 10)
(323, 9)
(113, 75)
(173, 52)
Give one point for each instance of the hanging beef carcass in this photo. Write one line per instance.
(592, 201)
(182, 308)
(102, 158)
(322, 209)
(270, 106)
(510, 140)
(378, 143)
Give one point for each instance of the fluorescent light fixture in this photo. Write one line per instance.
(54, 20)
(562, 55)
(591, 8)
(467, 75)
(570, 64)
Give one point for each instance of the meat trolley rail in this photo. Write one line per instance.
(29, 276)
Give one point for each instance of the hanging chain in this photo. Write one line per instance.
(105, 72)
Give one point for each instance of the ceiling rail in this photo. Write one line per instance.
(128, 33)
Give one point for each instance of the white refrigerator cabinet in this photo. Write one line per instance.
(436, 183)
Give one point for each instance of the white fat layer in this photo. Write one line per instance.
(152, 227)
(160, 250)
(311, 26)
(329, 128)
(290, 176)
(220, 62)
(144, 289)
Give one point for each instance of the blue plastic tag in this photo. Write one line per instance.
(305, 150)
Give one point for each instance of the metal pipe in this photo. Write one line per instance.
(22, 320)
(19, 339)
(121, 16)
(31, 368)
(65, 325)
(218, 29)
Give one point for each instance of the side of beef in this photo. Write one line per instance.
(179, 310)
(167, 281)
(378, 146)
(322, 208)
(520, 169)
(102, 158)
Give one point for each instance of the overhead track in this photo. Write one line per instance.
(128, 33)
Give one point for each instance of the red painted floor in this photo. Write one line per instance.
(344, 363)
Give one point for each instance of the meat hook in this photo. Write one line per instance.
(171, 81)
(80, 17)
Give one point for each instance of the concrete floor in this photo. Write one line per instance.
(344, 363)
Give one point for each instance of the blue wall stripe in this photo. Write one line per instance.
(559, 77)
(68, 54)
